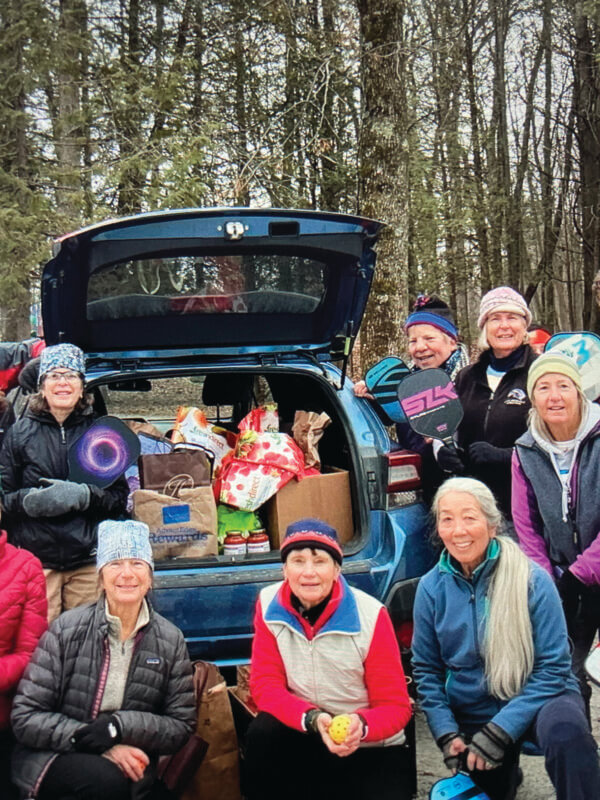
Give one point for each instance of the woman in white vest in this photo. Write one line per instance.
(323, 649)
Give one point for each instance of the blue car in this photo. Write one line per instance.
(226, 309)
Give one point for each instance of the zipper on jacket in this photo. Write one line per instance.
(487, 413)
(63, 438)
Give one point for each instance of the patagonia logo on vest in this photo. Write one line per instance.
(516, 397)
(154, 662)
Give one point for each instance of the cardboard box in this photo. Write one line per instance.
(325, 496)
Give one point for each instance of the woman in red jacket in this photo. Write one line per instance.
(23, 611)
(323, 649)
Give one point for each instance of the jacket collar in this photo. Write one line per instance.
(527, 357)
(345, 618)
(449, 565)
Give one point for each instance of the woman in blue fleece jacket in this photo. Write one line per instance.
(491, 656)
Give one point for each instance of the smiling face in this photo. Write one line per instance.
(505, 332)
(310, 574)
(429, 347)
(556, 400)
(62, 389)
(464, 529)
(125, 582)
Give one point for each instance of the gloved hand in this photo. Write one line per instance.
(56, 498)
(99, 736)
(450, 460)
(486, 453)
(451, 759)
(490, 743)
(569, 588)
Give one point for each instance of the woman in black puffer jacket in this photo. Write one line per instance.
(108, 689)
(52, 517)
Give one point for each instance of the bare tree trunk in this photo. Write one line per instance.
(68, 126)
(480, 212)
(384, 169)
(587, 110)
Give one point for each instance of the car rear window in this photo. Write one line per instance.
(206, 284)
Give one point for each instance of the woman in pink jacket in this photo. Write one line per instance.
(22, 621)
(322, 649)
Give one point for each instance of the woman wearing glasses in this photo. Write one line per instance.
(46, 513)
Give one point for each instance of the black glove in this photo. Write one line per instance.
(444, 742)
(490, 743)
(56, 497)
(449, 460)
(569, 589)
(97, 737)
(485, 453)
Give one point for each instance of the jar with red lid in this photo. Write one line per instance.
(234, 544)
(258, 541)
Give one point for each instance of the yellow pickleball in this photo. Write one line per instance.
(338, 730)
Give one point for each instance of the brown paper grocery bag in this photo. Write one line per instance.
(219, 774)
(169, 473)
(180, 527)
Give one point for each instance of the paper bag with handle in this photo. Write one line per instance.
(219, 774)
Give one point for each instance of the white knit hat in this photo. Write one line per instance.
(124, 538)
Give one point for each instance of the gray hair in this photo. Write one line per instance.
(508, 647)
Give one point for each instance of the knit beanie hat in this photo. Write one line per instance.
(313, 533)
(61, 356)
(502, 299)
(552, 361)
(124, 538)
(430, 310)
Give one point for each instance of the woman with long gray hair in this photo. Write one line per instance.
(491, 656)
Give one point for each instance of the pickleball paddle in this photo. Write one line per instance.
(431, 405)
(382, 381)
(103, 452)
(457, 787)
(584, 348)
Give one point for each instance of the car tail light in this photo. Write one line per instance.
(404, 478)
(404, 471)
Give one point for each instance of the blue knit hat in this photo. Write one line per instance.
(430, 310)
(313, 533)
(61, 356)
(124, 538)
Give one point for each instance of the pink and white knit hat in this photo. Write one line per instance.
(502, 299)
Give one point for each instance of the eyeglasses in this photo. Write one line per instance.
(56, 377)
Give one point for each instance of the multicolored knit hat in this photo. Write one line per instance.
(125, 538)
(61, 356)
(502, 299)
(430, 310)
(552, 361)
(313, 533)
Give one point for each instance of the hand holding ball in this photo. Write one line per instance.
(338, 730)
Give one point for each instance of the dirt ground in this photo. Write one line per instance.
(536, 784)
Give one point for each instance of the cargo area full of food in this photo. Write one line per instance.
(229, 458)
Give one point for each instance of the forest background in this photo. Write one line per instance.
(471, 127)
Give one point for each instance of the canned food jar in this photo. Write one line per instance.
(234, 544)
(258, 541)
